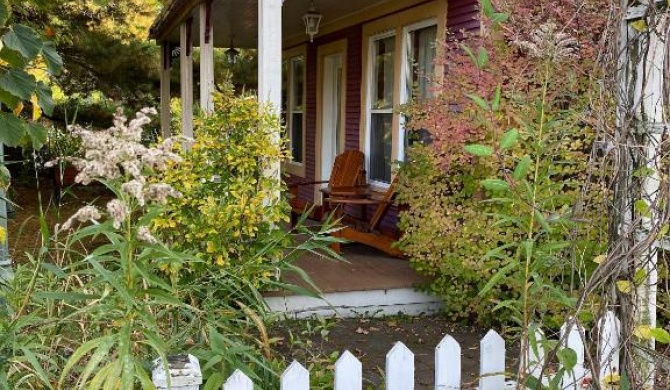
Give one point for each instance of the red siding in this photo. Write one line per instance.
(462, 15)
(354, 63)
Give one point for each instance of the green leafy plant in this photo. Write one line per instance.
(231, 207)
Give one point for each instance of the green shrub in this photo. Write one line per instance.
(486, 231)
(230, 207)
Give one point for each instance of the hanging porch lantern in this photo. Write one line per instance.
(232, 53)
(312, 20)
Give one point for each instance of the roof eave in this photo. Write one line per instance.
(168, 18)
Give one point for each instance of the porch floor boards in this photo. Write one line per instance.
(365, 269)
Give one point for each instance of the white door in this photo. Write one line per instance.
(332, 126)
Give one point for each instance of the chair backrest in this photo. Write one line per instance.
(384, 204)
(348, 170)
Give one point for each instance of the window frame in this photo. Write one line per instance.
(407, 72)
(291, 166)
(368, 101)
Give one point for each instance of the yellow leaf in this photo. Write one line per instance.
(37, 111)
(642, 332)
(611, 379)
(640, 25)
(211, 248)
(624, 286)
(220, 260)
(599, 259)
(18, 109)
(3, 235)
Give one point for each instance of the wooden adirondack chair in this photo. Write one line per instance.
(365, 231)
(348, 174)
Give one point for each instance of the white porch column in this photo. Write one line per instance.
(166, 67)
(206, 57)
(186, 77)
(269, 65)
(269, 52)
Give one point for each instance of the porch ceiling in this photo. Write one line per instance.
(238, 19)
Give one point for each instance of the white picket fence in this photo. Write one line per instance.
(400, 363)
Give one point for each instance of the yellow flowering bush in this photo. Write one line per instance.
(231, 206)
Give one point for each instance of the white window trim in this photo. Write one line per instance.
(294, 167)
(368, 104)
(405, 73)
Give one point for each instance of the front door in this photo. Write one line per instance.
(332, 127)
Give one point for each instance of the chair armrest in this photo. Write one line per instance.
(305, 183)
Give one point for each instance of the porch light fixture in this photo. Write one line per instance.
(232, 53)
(312, 19)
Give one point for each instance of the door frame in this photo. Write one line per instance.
(322, 52)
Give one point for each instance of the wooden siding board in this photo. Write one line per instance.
(462, 15)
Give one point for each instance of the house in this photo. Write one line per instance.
(336, 87)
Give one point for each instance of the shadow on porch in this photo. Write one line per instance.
(369, 283)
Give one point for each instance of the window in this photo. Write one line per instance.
(418, 73)
(400, 66)
(382, 86)
(293, 97)
(421, 49)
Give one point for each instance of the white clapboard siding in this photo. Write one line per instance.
(400, 363)
(492, 362)
(296, 377)
(572, 333)
(608, 346)
(448, 364)
(400, 368)
(348, 372)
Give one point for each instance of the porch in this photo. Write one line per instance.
(368, 283)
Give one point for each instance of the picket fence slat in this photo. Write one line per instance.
(535, 354)
(400, 368)
(296, 377)
(238, 381)
(492, 362)
(572, 380)
(400, 363)
(348, 372)
(448, 364)
(608, 347)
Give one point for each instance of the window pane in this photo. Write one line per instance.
(381, 127)
(298, 82)
(382, 77)
(422, 49)
(296, 137)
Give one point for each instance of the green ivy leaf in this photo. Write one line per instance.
(499, 17)
(495, 184)
(487, 7)
(37, 134)
(495, 104)
(661, 335)
(643, 208)
(482, 58)
(521, 168)
(479, 150)
(13, 129)
(470, 53)
(5, 11)
(52, 58)
(509, 139)
(44, 97)
(13, 57)
(18, 83)
(567, 357)
(24, 40)
(479, 101)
